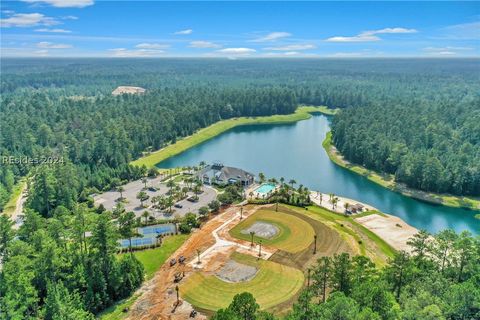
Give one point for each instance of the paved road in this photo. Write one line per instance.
(108, 199)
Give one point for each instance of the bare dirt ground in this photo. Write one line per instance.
(158, 296)
(127, 89)
(393, 230)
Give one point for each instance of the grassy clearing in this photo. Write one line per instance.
(349, 229)
(273, 284)
(16, 193)
(388, 181)
(302, 113)
(152, 260)
(322, 109)
(295, 235)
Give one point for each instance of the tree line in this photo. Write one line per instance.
(64, 267)
(439, 279)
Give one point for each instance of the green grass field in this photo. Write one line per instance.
(322, 109)
(294, 235)
(152, 260)
(150, 160)
(387, 181)
(336, 221)
(273, 284)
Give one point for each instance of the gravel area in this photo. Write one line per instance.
(233, 271)
(262, 229)
(131, 189)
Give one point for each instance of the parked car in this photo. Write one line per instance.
(193, 314)
(153, 189)
(181, 259)
(178, 205)
(173, 262)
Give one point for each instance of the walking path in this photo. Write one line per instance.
(222, 245)
(18, 212)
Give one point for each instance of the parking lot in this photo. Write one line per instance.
(131, 203)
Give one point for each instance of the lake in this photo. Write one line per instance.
(294, 151)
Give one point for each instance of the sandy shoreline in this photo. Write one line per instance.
(391, 229)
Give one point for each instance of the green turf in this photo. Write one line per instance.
(338, 220)
(273, 284)
(322, 109)
(152, 260)
(388, 181)
(294, 234)
(302, 113)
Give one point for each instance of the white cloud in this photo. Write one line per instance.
(147, 45)
(69, 18)
(41, 53)
(50, 45)
(183, 32)
(446, 51)
(292, 47)
(464, 31)
(371, 35)
(52, 30)
(126, 53)
(27, 20)
(237, 51)
(64, 3)
(203, 44)
(272, 37)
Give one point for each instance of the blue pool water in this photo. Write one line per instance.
(265, 188)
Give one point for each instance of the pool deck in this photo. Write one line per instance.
(252, 192)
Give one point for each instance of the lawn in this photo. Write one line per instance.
(273, 284)
(342, 225)
(150, 160)
(152, 260)
(322, 109)
(387, 181)
(294, 235)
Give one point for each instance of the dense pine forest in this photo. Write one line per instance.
(417, 119)
(440, 279)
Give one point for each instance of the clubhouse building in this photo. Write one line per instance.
(222, 175)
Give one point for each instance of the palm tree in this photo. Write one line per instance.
(346, 205)
(144, 181)
(251, 194)
(169, 203)
(142, 196)
(171, 185)
(261, 176)
(282, 180)
(252, 234)
(321, 197)
(184, 191)
(120, 189)
(292, 182)
(145, 214)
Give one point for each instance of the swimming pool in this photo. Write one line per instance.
(265, 188)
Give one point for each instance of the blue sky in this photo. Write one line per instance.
(89, 28)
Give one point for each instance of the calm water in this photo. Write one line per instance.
(295, 151)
